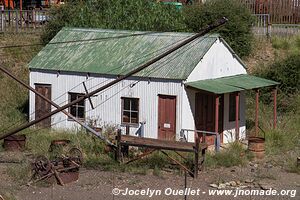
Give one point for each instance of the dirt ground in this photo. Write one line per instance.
(97, 184)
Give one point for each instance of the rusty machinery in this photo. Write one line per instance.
(64, 167)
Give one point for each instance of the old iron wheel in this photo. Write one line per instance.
(42, 165)
(75, 155)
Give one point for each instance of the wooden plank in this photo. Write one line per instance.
(159, 144)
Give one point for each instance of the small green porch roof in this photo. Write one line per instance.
(231, 84)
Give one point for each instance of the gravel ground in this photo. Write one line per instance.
(97, 184)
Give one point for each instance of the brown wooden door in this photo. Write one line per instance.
(41, 106)
(166, 117)
(205, 114)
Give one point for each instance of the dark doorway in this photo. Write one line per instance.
(205, 114)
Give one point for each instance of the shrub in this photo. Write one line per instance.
(237, 31)
(287, 72)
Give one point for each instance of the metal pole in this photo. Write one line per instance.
(55, 105)
(256, 111)
(185, 184)
(237, 131)
(275, 108)
(120, 78)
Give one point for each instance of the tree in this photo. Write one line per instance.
(237, 32)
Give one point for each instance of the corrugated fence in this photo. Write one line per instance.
(22, 21)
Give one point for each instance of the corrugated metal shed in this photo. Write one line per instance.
(117, 56)
(232, 84)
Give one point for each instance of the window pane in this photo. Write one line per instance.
(126, 117)
(80, 103)
(73, 111)
(72, 97)
(126, 104)
(134, 104)
(80, 112)
(134, 117)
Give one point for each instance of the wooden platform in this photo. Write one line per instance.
(160, 144)
(197, 148)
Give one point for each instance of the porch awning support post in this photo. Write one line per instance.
(237, 128)
(275, 108)
(217, 145)
(256, 111)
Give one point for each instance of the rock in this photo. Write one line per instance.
(268, 165)
(233, 183)
(227, 183)
(252, 170)
(255, 165)
(265, 186)
(243, 187)
(213, 185)
(238, 182)
(222, 186)
(249, 180)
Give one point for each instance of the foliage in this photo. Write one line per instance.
(237, 32)
(118, 14)
(234, 155)
(287, 72)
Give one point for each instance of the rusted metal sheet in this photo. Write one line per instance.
(256, 145)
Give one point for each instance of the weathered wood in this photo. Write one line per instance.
(141, 156)
(159, 144)
(180, 164)
(196, 164)
(119, 146)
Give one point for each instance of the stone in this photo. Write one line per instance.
(213, 185)
(238, 182)
(249, 180)
(222, 186)
(265, 186)
(233, 183)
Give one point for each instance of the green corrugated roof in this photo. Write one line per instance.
(117, 56)
(231, 84)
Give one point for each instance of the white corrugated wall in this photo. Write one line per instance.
(108, 102)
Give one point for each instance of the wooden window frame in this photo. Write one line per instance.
(232, 107)
(76, 105)
(130, 111)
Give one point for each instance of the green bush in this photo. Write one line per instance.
(287, 72)
(237, 32)
(117, 14)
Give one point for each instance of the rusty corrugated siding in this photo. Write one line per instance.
(117, 56)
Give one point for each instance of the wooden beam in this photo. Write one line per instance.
(118, 149)
(159, 144)
(196, 160)
(178, 163)
(217, 114)
(141, 156)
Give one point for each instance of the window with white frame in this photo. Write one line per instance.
(78, 109)
(130, 110)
